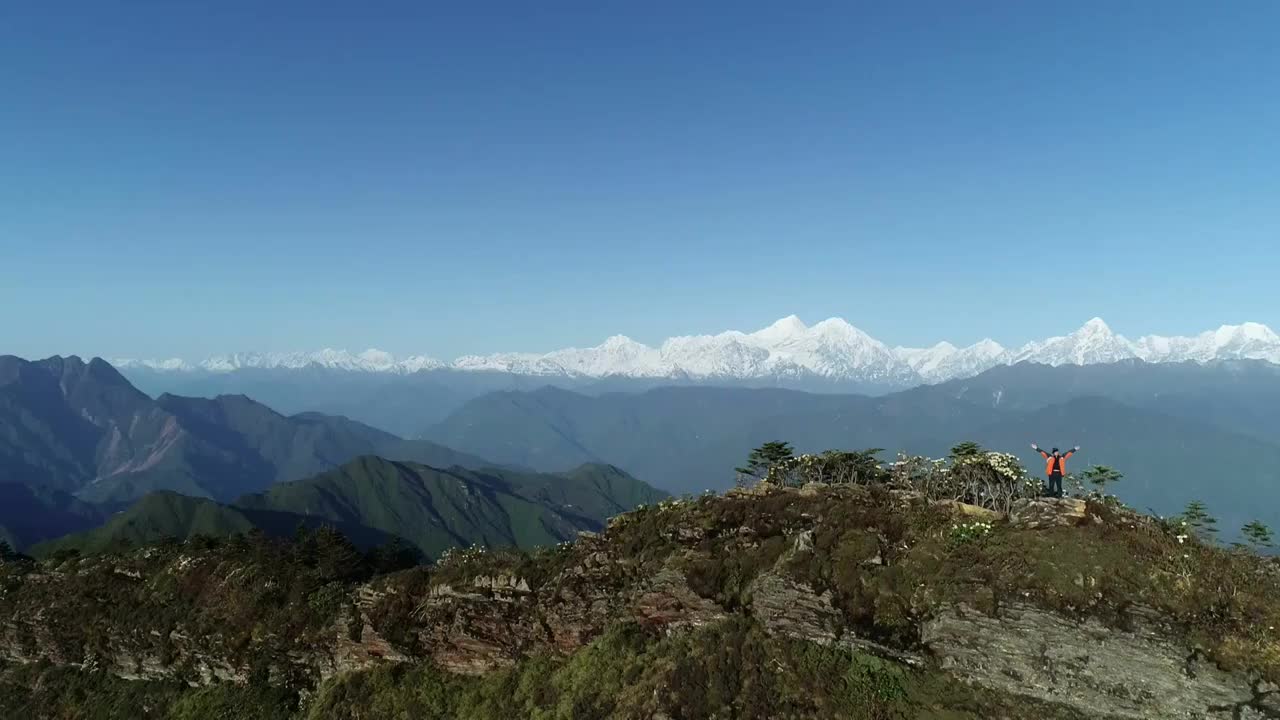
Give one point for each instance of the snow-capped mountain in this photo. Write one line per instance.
(1250, 341)
(788, 349)
(368, 361)
(1093, 343)
(832, 351)
(945, 361)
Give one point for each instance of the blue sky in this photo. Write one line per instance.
(185, 179)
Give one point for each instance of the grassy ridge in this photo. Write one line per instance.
(372, 500)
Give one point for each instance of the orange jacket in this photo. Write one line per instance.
(1060, 461)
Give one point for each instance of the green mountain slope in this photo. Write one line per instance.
(156, 516)
(371, 500)
(169, 515)
(437, 509)
(593, 489)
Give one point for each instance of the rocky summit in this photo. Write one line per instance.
(813, 602)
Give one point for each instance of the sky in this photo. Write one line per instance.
(185, 179)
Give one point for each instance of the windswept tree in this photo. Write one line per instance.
(1100, 476)
(1198, 520)
(765, 458)
(1258, 535)
(336, 557)
(967, 449)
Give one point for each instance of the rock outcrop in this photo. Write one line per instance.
(1140, 672)
(812, 566)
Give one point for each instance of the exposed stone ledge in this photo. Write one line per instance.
(1100, 671)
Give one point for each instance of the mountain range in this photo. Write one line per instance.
(79, 444)
(81, 432)
(403, 397)
(832, 349)
(81, 428)
(1178, 431)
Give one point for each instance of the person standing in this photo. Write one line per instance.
(1055, 467)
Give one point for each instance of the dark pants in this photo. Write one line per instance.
(1055, 485)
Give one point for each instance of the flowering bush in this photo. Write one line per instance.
(462, 557)
(970, 474)
(968, 532)
(832, 466)
(978, 477)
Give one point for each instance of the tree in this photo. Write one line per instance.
(304, 548)
(336, 557)
(1100, 476)
(764, 458)
(832, 466)
(1196, 517)
(6, 552)
(966, 449)
(395, 554)
(1258, 535)
(861, 467)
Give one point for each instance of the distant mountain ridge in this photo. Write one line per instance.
(1178, 431)
(788, 350)
(81, 428)
(373, 500)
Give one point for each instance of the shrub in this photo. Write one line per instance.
(967, 532)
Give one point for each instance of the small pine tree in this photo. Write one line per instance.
(966, 449)
(336, 557)
(764, 458)
(1258, 535)
(304, 548)
(6, 552)
(1197, 517)
(1100, 476)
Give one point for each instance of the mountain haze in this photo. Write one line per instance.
(689, 439)
(1178, 432)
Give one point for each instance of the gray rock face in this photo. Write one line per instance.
(1100, 671)
(788, 608)
(1047, 512)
